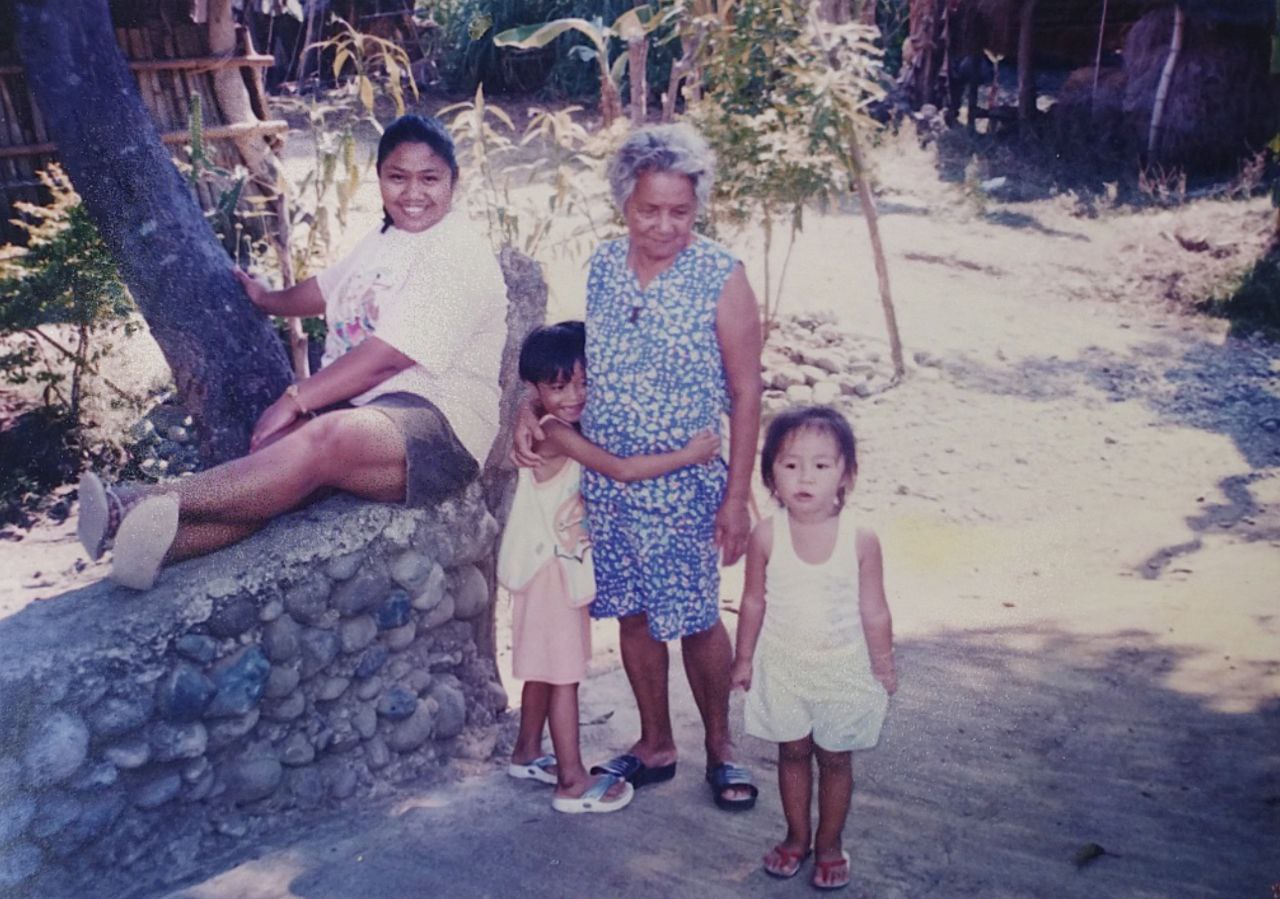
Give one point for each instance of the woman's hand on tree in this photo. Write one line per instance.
(257, 290)
(274, 423)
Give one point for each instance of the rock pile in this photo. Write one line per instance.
(810, 359)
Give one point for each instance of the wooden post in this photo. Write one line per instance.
(1026, 64)
(259, 158)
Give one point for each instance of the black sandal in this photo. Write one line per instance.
(725, 776)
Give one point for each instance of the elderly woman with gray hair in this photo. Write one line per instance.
(673, 342)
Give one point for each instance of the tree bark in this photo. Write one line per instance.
(227, 362)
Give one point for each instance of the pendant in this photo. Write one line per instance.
(635, 314)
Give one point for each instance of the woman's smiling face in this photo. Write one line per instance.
(660, 214)
(417, 187)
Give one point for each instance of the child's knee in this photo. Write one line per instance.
(834, 762)
(796, 750)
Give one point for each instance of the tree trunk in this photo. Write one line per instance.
(868, 202)
(226, 360)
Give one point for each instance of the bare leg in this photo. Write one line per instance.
(646, 661)
(795, 784)
(200, 538)
(535, 699)
(563, 721)
(835, 789)
(356, 450)
(707, 658)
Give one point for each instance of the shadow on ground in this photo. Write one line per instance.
(1232, 389)
(1008, 757)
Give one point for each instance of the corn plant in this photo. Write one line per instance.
(523, 187)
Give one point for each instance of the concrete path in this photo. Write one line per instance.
(1027, 764)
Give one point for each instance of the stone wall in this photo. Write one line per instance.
(345, 649)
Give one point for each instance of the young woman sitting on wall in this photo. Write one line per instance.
(403, 409)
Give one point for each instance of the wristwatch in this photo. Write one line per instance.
(292, 393)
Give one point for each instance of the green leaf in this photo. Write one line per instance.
(478, 26)
(533, 37)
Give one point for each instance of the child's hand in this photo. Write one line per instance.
(740, 675)
(885, 672)
(704, 446)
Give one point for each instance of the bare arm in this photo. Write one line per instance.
(877, 624)
(564, 440)
(751, 612)
(738, 331)
(302, 299)
(363, 367)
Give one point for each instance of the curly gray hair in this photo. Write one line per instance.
(675, 148)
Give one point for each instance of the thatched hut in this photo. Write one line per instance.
(1219, 102)
(181, 51)
(1220, 99)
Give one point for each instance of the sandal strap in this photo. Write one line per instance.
(727, 774)
(621, 766)
(604, 783)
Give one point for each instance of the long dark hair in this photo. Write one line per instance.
(417, 129)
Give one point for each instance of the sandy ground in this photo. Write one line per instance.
(1080, 511)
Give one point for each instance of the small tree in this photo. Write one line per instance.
(65, 277)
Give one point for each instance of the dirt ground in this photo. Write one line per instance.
(1080, 507)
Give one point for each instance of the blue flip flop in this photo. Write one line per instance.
(635, 772)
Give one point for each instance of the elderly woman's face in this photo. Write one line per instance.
(660, 214)
(417, 186)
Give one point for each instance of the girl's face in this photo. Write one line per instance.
(660, 214)
(417, 187)
(809, 472)
(565, 398)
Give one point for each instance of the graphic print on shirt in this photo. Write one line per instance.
(354, 316)
(569, 522)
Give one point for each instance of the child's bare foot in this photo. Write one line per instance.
(831, 869)
(785, 859)
(603, 793)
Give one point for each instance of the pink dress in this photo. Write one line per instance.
(550, 638)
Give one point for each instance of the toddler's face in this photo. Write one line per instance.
(565, 398)
(808, 473)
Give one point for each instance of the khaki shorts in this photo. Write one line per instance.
(437, 465)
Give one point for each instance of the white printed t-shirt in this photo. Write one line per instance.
(437, 296)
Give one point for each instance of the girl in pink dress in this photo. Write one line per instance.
(545, 562)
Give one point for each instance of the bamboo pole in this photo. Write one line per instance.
(1097, 61)
(1166, 77)
(188, 64)
(221, 132)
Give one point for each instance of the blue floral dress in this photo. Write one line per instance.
(656, 378)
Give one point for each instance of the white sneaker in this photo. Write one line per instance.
(145, 534)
